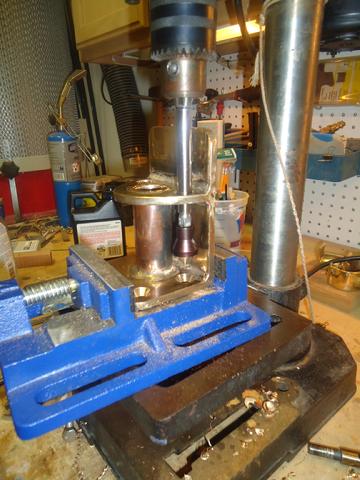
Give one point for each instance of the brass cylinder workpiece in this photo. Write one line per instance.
(153, 241)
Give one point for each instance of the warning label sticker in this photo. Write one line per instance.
(104, 237)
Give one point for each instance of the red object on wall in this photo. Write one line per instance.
(220, 109)
(35, 193)
(6, 196)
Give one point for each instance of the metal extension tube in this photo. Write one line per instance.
(292, 30)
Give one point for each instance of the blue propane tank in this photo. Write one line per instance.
(66, 171)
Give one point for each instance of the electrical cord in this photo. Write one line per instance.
(102, 91)
(282, 160)
(352, 258)
(240, 15)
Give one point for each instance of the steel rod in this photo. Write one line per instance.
(183, 155)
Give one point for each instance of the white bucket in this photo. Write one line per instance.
(229, 220)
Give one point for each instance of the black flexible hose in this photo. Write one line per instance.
(352, 258)
(249, 44)
(95, 121)
(129, 115)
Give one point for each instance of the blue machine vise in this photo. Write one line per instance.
(103, 351)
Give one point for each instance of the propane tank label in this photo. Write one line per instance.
(104, 237)
(65, 161)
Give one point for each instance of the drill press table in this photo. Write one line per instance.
(139, 437)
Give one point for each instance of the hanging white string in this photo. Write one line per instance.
(282, 159)
(255, 77)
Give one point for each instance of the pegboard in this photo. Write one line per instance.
(330, 210)
(226, 76)
(230, 74)
(326, 115)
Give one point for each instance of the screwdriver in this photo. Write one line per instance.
(343, 455)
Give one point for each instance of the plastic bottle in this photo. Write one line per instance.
(7, 261)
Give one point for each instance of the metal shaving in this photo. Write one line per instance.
(266, 400)
(205, 455)
(252, 397)
(76, 463)
(270, 407)
(250, 402)
(251, 423)
(271, 403)
(289, 475)
(245, 442)
(351, 475)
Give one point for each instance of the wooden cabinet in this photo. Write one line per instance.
(104, 28)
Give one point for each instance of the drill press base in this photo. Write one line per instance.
(197, 424)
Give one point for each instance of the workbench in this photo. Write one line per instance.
(49, 457)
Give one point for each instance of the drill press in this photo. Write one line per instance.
(168, 340)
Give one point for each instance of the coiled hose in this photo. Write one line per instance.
(129, 117)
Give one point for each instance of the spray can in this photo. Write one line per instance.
(64, 153)
(66, 171)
